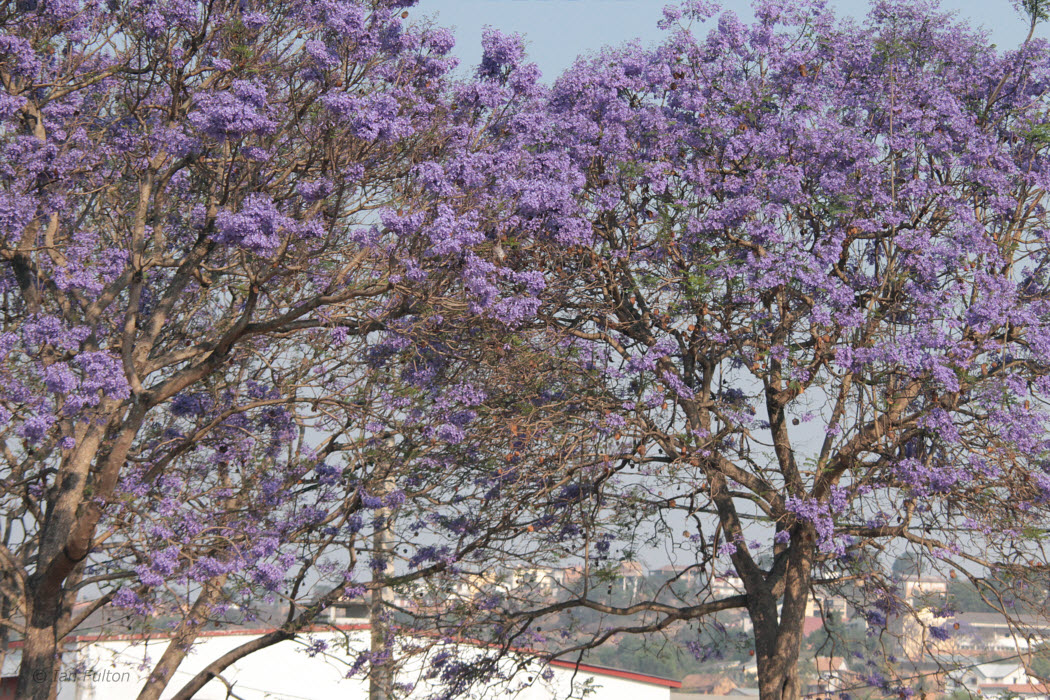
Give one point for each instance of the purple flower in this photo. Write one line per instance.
(257, 227)
(501, 53)
(240, 111)
(60, 379)
(35, 427)
(940, 633)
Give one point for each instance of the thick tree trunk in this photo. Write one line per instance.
(66, 540)
(776, 657)
(778, 638)
(41, 658)
(51, 610)
(778, 678)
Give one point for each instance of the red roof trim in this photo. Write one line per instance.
(1018, 687)
(617, 673)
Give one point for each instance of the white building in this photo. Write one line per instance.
(114, 668)
(726, 586)
(920, 587)
(978, 677)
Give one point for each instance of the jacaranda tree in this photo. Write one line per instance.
(817, 295)
(209, 212)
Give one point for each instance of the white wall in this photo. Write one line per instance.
(285, 671)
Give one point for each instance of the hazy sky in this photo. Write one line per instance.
(559, 30)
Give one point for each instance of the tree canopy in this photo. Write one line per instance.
(290, 306)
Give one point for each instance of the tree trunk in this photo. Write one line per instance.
(381, 675)
(182, 639)
(41, 660)
(5, 631)
(778, 638)
(287, 631)
(65, 543)
(779, 679)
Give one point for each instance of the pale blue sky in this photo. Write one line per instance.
(559, 30)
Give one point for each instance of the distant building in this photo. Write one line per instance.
(347, 611)
(477, 585)
(632, 575)
(995, 632)
(833, 674)
(543, 580)
(684, 574)
(922, 633)
(915, 588)
(1016, 691)
(709, 683)
(726, 586)
(976, 678)
(828, 605)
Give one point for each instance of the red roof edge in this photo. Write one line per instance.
(617, 673)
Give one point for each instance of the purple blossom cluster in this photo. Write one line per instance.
(260, 227)
(232, 114)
